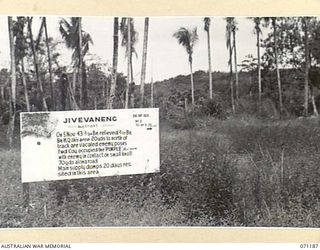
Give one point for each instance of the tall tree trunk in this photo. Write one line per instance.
(84, 85)
(80, 61)
(151, 93)
(13, 83)
(72, 100)
(25, 186)
(144, 60)
(25, 87)
(231, 81)
(276, 63)
(191, 79)
(132, 93)
(74, 81)
(307, 64)
(113, 86)
(64, 93)
(2, 94)
(131, 68)
(235, 64)
(95, 103)
(107, 91)
(259, 68)
(315, 110)
(23, 76)
(129, 63)
(36, 65)
(49, 63)
(209, 61)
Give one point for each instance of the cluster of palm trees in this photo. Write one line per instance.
(187, 38)
(129, 39)
(78, 41)
(17, 56)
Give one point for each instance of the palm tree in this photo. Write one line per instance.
(13, 82)
(207, 22)
(229, 30)
(257, 21)
(43, 27)
(36, 64)
(77, 40)
(44, 21)
(144, 60)
(129, 66)
(305, 21)
(80, 70)
(69, 32)
(127, 30)
(313, 72)
(234, 29)
(274, 25)
(188, 38)
(20, 53)
(273, 21)
(275, 53)
(114, 63)
(151, 93)
(125, 40)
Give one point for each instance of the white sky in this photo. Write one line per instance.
(166, 58)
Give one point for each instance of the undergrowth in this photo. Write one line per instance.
(232, 172)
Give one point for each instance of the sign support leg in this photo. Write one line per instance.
(25, 194)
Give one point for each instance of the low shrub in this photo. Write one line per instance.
(211, 107)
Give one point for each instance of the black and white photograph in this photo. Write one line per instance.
(166, 121)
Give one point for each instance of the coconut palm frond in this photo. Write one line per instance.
(257, 22)
(183, 37)
(86, 39)
(123, 23)
(187, 39)
(207, 22)
(124, 33)
(194, 37)
(266, 21)
(21, 45)
(69, 30)
(234, 25)
(67, 33)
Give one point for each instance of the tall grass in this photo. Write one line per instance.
(279, 173)
(234, 172)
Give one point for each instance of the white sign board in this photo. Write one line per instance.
(81, 144)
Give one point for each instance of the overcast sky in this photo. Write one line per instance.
(166, 58)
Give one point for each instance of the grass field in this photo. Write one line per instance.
(234, 172)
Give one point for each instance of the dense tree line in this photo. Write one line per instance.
(36, 81)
